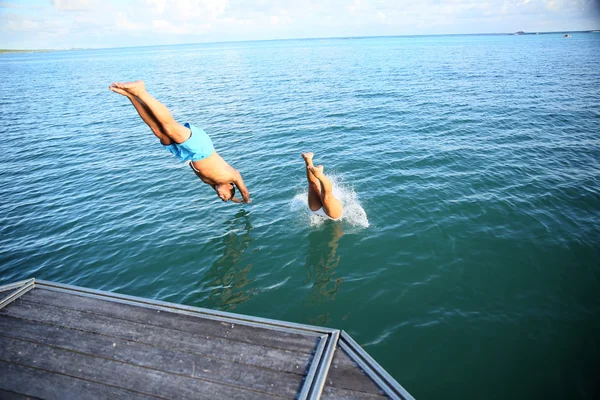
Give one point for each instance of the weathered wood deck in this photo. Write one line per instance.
(66, 342)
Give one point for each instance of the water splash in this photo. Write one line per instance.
(354, 214)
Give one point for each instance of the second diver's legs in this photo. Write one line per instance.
(331, 205)
(161, 114)
(314, 185)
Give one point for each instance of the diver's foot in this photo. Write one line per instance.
(316, 171)
(308, 158)
(135, 88)
(120, 91)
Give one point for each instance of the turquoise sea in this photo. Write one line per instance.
(469, 265)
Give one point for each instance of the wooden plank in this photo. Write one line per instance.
(6, 395)
(15, 285)
(142, 355)
(186, 323)
(46, 385)
(344, 373)
(117, 374)
(11, 296)
(343, 394)
(280, 360)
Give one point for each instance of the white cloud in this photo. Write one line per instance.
(157, 6)
(22, 25)
(168, 27)
(552, 5)
(354, 6)
(190, 9)
(72, 23)
(123, 23)
(9, 5)
(70, 5)
(233, 21)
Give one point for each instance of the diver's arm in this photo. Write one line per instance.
(239, 182)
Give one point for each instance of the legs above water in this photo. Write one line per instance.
(314, 185)
(153, 112)
(320, 190)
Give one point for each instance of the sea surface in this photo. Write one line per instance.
(468, 264)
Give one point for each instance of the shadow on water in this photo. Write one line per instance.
(321, 262)
(228, 277)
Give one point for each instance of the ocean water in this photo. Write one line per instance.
(469, 264)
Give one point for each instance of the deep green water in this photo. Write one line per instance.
(469, 266)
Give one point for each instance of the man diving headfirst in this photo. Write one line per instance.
(321, 200)
(187, 142)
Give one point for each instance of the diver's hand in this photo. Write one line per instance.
(246, 196)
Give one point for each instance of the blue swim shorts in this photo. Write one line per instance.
(197, 147)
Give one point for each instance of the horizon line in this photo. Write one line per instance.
(522, 33)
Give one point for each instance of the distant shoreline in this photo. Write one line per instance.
(24, 51)
(3, 51)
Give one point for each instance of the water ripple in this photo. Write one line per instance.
(473, 162)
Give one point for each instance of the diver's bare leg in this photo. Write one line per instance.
(146, 115)
(331, 205)
(177, 132)
(314, 185)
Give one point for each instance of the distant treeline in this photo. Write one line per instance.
(23, 51)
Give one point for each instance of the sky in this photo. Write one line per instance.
(65, 24)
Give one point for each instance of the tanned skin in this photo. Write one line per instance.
(320, 189)
(212, 170)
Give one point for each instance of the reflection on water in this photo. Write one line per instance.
(321, 262)
(227, 277)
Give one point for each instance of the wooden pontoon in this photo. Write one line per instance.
(65, 342)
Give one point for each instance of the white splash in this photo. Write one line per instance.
(354, 214)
